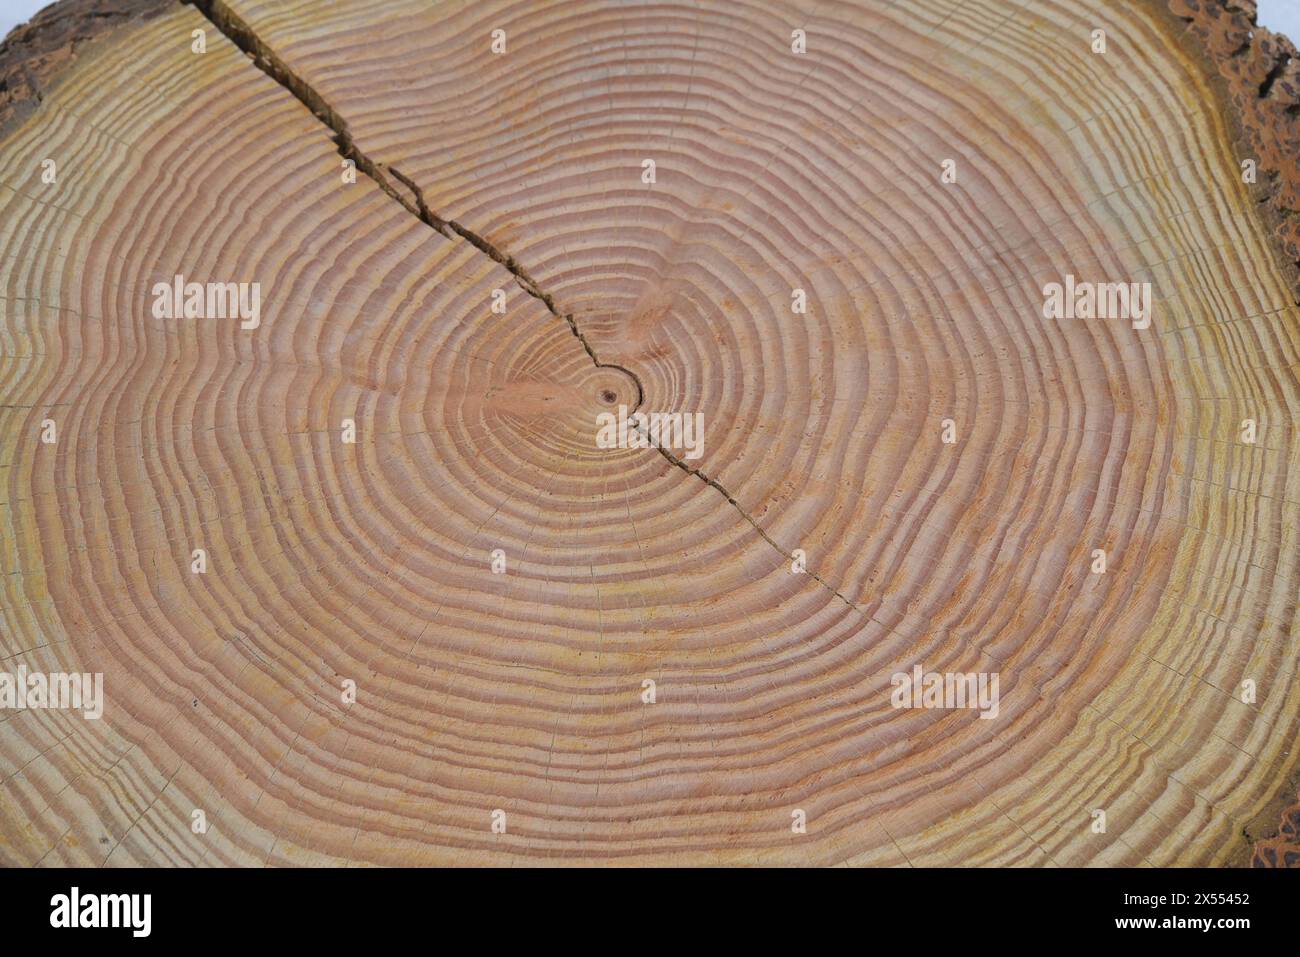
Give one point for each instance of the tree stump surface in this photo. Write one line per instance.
(435, 622)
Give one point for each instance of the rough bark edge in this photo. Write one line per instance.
(34, 53)
(1282, 849)
(1257, 74)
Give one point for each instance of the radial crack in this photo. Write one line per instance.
(242, 35)
(238, 31)
(715, 484)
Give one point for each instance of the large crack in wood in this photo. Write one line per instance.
(718, 486)
(242, 35)
(238, 31)
(1227, 35)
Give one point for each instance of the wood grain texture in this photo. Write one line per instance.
(522, 691)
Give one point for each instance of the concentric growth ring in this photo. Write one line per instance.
(367, 585)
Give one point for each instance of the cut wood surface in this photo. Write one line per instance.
(431, 620)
